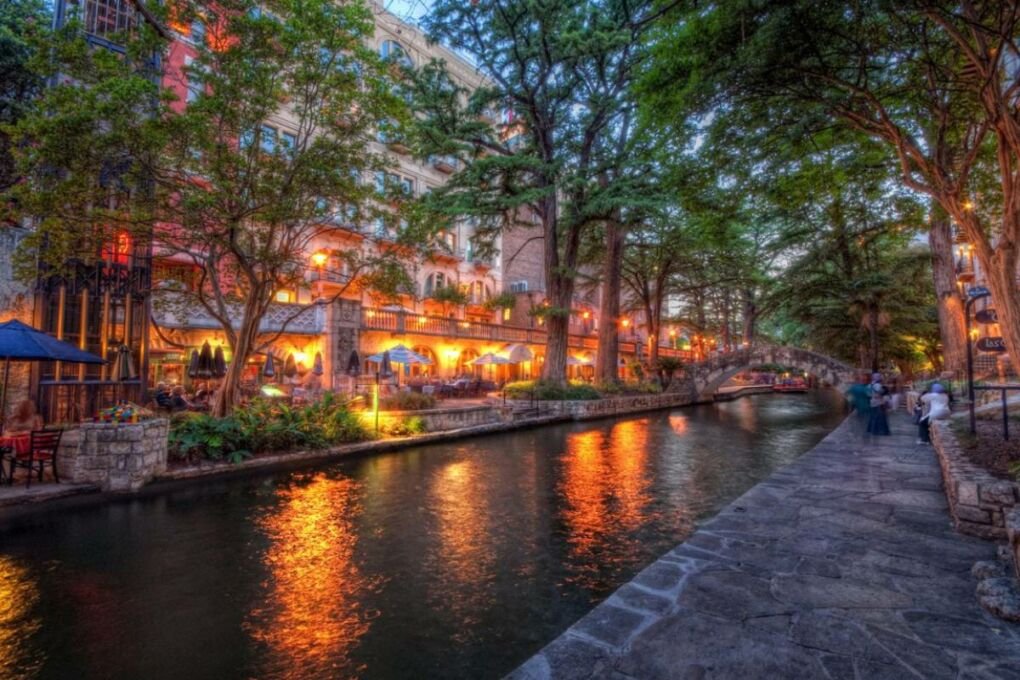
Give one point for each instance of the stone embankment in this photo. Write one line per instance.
(845, 564)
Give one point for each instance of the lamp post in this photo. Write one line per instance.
(973, 295)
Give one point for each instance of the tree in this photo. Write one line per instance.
(933, 81)
(561, 69)
(209, 183)
(19, 83)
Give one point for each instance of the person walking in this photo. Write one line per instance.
(934, 406)
(859, 395)
(878, 423)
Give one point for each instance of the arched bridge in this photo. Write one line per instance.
(703, 378)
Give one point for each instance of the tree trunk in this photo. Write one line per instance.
(559, 293)
(607, 357)
(948, 303)
(1006, 300)
(228, 393)
(873, 319)
(750, 316)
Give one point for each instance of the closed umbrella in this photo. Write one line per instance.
(354, 364)
(268, 369)
(317, 368)
(193, 364)
(219, 363)
(21, 342)
(385, 370)
(205, 361)
(290, 366)
(124, 365)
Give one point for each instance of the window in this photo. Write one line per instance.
(407, 186)
(519, 287)
(103, 17)
(288, 141)
(197, 32)
(434, 282)
(379, 228)
(284, 296)
(247, 139)
(391, 50)
(194, 86)
(268, 140)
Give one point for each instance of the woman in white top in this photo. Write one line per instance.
(934, 406)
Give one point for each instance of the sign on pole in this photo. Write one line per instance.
(986, 316)
(991, 344)
(978, 291)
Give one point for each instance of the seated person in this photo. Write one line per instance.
(163, 397)
(24, 419)
(178, 402)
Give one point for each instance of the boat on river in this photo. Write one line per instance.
(792, 385)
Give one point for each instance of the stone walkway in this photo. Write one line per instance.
(841, 565)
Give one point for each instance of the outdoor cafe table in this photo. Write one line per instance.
(18, 442)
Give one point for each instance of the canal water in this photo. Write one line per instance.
(457, 560)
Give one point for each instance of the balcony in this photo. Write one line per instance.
(170, 310)
(445, 164)
(399, 323)
(965, 271)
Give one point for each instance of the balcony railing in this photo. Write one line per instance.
(170, 310)
(404, 322)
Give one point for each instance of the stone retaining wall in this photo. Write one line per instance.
(604, 408)
(115, 457)
(436, 420)
(978, 502)
(1013, 535)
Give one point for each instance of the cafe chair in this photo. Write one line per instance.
(42, 450)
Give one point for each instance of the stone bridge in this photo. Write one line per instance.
(702, 379)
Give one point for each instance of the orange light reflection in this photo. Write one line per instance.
(607, 495)
(18, 597)
(310, 615)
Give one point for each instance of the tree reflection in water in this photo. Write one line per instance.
(606, 492)
(19, 594)
(310, 614)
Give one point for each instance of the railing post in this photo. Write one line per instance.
(400, 322)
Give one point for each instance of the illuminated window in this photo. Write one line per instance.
(104, 17)
(284, 296)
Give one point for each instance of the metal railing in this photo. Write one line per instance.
(399, 322)
(171, 310)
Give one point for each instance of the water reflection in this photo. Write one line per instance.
(461, 558)
(18, 597)
(311, 610)
(606, 493)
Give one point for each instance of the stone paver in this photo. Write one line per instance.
(842, 565)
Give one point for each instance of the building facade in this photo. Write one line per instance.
(122, 302)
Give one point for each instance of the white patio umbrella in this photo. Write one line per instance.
(401, 355)
(517, 353)
(490, 359)
(574, 361)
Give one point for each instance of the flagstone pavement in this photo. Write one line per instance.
(842, 565)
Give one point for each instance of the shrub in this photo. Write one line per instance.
(407, 401)
(264, 425)
(406, 427)
(199, 435)
(644, 387)
(527, 389)
(610, 388)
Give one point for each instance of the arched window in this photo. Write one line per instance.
(434, 282)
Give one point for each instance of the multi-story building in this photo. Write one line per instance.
(111, 304)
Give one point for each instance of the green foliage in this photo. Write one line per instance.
(407, 401)
(504, 300)
(20, 21)
(669, 365)
(450, 295)
(406, 427)
(199, 435)
(543, 391)
(1014, 469)
(264, 425)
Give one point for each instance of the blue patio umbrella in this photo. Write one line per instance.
(21, 342)
(317, 367)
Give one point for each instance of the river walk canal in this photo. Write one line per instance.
(456, 560)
